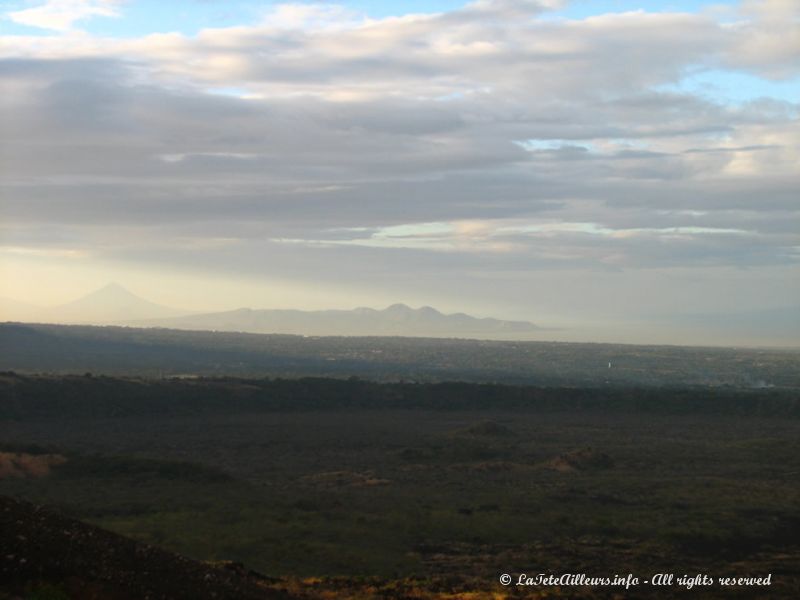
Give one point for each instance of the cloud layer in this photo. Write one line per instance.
(489, 142)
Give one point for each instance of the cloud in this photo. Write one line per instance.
(61, 15)
(767, 38)
(160, 156)
(483, 144)
(312, 17)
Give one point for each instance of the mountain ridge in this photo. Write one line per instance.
(396, 319)
(114, 304)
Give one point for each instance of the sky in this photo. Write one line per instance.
(612, 170)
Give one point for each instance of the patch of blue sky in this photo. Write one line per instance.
(143, 17)
(231, 92)
(8, 27)
(736, 87)
(534, 145)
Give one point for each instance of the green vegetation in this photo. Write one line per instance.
(368, 481)
(80, 397)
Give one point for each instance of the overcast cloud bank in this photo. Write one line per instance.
(493, 158)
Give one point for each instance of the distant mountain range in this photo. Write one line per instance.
(115, 305)
(397, 319)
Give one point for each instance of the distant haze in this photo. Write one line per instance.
(115, 305)
(396, 320)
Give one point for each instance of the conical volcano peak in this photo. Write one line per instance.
(110, 303)
(113, 289)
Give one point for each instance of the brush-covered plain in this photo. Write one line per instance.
(463, 494)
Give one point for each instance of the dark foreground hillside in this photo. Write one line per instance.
(45, 554)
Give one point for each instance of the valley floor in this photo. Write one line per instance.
(420, 503)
